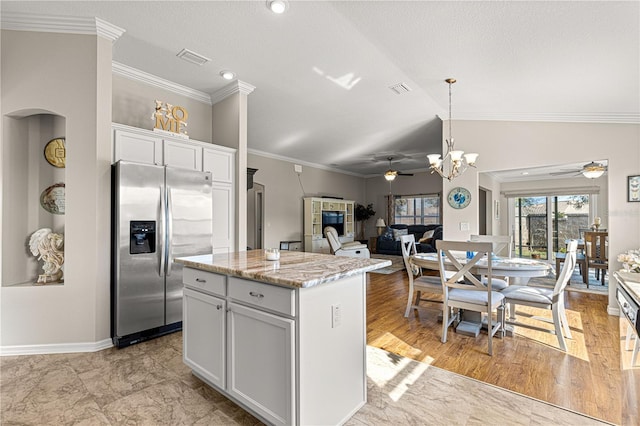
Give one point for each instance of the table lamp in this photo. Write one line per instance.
(380, 225)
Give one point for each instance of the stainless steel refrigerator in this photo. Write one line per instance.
(158, 213)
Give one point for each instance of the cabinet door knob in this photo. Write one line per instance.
(200, 280)
(254, 294)
(218, 307)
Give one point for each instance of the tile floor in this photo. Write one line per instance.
(147, 384)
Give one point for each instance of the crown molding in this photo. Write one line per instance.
(60, 24)
(152, 80)
(614, 118)
(301, 162)
(237, 86)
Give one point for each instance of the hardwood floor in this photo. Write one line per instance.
(591, 378)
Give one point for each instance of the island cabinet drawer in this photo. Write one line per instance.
(274, 298)
(205, 281)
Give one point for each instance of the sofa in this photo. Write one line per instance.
(387, 243)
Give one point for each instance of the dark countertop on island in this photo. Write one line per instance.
(294, 269)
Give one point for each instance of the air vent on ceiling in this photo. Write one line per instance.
(193, 57)
(400, 88)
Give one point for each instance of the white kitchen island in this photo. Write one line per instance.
(284, 339)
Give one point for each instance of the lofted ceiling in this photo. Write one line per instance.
(323, 70)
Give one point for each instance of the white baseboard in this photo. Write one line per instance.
(56, 348)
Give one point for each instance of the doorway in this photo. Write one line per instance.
(255, 216)
(482, 212)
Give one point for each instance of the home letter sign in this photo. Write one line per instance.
(170, 118)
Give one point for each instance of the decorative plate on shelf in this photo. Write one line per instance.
(52, 199)
(459, 198)
(55, 152)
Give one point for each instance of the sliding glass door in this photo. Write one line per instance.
(541, 225)
(531, 227)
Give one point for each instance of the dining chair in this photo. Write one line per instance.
(546, 298)
(471, 295)
(502, 245)
(595, 249)
(418, 283)
(581, 262)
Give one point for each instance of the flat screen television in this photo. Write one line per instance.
(335, 219)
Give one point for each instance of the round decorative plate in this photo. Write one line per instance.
(459, 198)
(52, 199)
(55, 152)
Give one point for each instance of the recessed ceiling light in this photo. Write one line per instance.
(227, 75)
(277, 6)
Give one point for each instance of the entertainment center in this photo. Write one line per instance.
(321, 212)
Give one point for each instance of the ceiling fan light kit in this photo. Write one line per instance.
(391, 174)
(454, 162)
(593, 170)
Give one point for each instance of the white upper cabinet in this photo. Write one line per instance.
(137, 147)
(146, 146)
(183, 155)
(219, 162)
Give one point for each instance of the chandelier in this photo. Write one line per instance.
(454, 162)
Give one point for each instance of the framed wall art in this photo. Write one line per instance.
(52, 199)
(55, 152)
(633, 188)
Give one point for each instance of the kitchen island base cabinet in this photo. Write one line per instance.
(262, 370)
(293, 355)
(204, 323)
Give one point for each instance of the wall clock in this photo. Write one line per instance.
(459, 198)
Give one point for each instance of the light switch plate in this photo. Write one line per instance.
(464, 226)
(336, 315)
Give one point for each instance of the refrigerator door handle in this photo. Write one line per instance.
(162, 250)
(169, 230)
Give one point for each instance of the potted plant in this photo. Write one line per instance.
(362, 215)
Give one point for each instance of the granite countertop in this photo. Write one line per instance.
(294, 269)
(631, 283)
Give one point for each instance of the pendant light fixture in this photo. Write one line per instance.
(454, 162)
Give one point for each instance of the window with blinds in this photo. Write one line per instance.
(421, 209)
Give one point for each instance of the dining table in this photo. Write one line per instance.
(519, 270)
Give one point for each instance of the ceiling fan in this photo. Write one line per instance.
(590, 170)
(391, 174)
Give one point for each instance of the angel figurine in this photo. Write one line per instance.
(48, 246)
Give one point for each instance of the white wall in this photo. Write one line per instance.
(68, 76)
(134, 101)
(283, 195)
(513, 145)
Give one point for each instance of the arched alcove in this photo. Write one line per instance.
(30, 169)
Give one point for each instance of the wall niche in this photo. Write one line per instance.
(33, 179)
